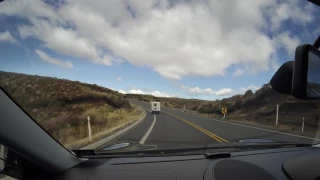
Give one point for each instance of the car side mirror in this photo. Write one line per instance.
(306, 73)
(282, 79)
(2, 158)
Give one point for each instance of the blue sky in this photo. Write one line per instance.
(188, 49)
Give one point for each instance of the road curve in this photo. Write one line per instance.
(172, 129)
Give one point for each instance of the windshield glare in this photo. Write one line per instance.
(126, 76)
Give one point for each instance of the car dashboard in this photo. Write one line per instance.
(258, 164)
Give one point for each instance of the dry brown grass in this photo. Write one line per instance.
(69, 130)
(190, 104)
(309, 130)
(33, 92)
(62, 106)
(116, 121)
(267, 123)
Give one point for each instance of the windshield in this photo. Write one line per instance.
(147, 75)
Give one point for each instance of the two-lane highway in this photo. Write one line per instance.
(234, 132)
(172, 129)
(163, 131)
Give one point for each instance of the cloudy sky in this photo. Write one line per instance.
(207, 49)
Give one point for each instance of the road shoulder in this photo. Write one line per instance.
(115, 135)
(260, 127)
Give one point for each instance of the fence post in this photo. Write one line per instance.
(302, 128)
(89, 128)
(277, 116)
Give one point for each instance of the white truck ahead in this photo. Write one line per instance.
(155, 107)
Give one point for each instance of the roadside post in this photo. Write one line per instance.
(89, 128)
(302, 128)
(224, 112)
(277, 116)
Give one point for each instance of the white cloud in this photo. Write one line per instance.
(174, 38)
(290, 10)
(159, 94)
(51, 60)
(316, 32)
(194, 91)
(208, 91)
(118, 78)
(7, 37)
(243, 89)
(250, 87)
(65, 41)
(138, 91)
(224, 92)
(27, 9)
(287, 41)
(122, 91)
(254, 88)
(238, 72)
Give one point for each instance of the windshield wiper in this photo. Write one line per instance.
(254, 146)
(224, 150)
(211, 151)
(142, 153)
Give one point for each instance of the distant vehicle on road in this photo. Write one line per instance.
(155, 107)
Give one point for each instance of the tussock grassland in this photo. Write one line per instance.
(61, 106)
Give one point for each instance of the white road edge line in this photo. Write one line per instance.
(146, 109)
(261, 129)
(144, 138)
(255, 127)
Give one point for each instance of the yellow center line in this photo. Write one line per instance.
(220, 139)
(210, 134)
(207, 132)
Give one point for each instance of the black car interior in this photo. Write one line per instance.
(29, 152)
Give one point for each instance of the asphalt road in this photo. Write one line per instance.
(174, 129)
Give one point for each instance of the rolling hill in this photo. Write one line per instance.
(61, 106)
(259, 106)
